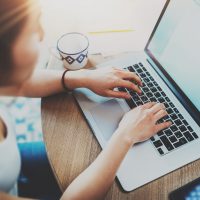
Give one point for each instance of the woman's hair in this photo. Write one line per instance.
(13, 14)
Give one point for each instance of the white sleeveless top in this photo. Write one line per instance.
(10, 162)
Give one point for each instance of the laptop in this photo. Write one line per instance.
(169, 67)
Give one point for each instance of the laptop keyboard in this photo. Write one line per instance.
(180, 132)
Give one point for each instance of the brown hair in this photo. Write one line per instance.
(13, 14)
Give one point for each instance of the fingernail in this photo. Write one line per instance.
(170, 123)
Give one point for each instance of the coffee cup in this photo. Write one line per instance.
(72, 49)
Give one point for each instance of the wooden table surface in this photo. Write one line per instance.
(71, 147)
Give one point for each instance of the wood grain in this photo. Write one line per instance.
(71, 147)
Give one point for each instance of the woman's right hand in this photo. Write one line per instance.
(136, 126)
(139, 124)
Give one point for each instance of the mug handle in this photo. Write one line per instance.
(55, 53)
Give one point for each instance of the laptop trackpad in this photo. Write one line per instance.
(107, 117)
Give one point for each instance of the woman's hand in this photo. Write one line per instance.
(103, 81)
(137, 125)
(140, 124)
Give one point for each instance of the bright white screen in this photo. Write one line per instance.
(176, 45)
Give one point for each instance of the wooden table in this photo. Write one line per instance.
(71, 147)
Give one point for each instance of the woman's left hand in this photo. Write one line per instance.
(104, 81)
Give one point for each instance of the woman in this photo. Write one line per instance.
(20, 35)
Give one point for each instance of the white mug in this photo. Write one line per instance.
(73, 50)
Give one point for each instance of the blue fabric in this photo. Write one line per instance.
(26, 117)
(37, 179)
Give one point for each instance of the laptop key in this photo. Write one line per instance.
(174, 128)
(166, 118)
(161, 100)
(178, 134)
(131, 69)
(122, 89)
(190, 128)
(145, 89)
(166, 105)
(149, 94)
(151, 78)
(185, 122)
(157, 94)
(144, 98)
(149, 85)
(178, 122)
(174, 116)
(181, 142)
(156, 84)
(148, 74)
(160, 133)
(180, 116)
(139, 70)
(172, 105)
(157, 143)
(195, 135)
(159, 88)
(160, 121)
(153, 89)
(176, 111)
(135, 97)
(141, 64)
(131, 103)
(173, 139)
(169, 111)
(163, 94)
(152, 139)
(160, 151)
(136, 66)
(152, 99)
(143, 75)
(146, 80)
(167, 99)
(167, 143)
(182, 128)
(168, 132)
(188, 136)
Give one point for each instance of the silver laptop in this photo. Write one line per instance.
(170, 70)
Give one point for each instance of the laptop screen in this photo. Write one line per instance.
(175, 45)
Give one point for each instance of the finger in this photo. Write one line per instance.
(160, 114)
(129, 85)
(148, 105)
(162, 126)
(130, 76)
(157, 107)
(117, 94)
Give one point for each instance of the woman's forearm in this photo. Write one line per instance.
(96, 180)
(45, 83)
(102, 81)
(48, 82)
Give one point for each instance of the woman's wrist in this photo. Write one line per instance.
(76, 79)
(124, 138)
